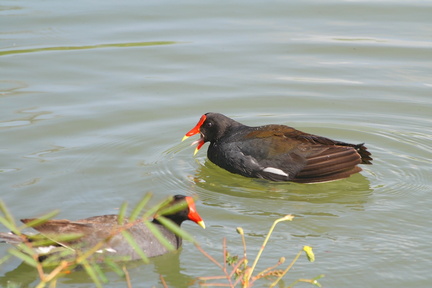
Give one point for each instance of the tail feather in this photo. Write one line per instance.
(364, 153)
(10, 238)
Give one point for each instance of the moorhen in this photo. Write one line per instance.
(276, 152)
(100, 228)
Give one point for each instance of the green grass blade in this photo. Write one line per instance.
(101, 275)
(6, 213)
(156, 232)
(135, 246)
(171, 209)
(22, 247)
(10, 225)
(114, 267)
(152, 210)
(4, 259)
(67, 237)
(140, 206)
(58, 255)
(288, 217)
(24, 257)
(122, 213)
(46, 240)
(315, 280)
(92, 273)
(40, 220)
(175, 228)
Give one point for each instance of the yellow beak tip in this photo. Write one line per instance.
(196, 151)
(185, 137)
(202, 224)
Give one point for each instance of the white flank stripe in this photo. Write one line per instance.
(106, 250)
(275, 171)
(44, 249)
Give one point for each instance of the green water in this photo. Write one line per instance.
(96, 96)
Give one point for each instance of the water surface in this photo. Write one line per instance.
(96, 96)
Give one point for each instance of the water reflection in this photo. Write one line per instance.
(86, 47)
(167, 266)
(8, 87)
(31, 117)
(22, 276)
(41, 156)
(353, 190)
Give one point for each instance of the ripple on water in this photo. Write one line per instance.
(393, 152)
(177, 168)
(403, 160)
(171, 171)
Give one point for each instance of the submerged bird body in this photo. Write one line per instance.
(277, 152)
(106, 228)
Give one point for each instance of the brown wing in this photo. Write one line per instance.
(306, 158)
(60, 226)
(331, 163)
(365, 155)
(92, 229)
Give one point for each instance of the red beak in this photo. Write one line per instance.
(193, 214)
(194, 131)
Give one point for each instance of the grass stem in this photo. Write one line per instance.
(285, 218)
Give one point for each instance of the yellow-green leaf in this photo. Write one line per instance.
(114, 266)
(156, 232)
(24, 257)
(139, 207)
(92, 273)
(175, 228)
(42, 219)
(9, 225)
(135, 245)
(309, 253)
(122, 213)
(6, 213)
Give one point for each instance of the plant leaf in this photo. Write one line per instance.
(135, 246)
(24, 257)
(6, 213)
(175, 228)
(92, 273)
(315, 282)
(114, 266)
(4, 259)
(171, 209)
(139, 207)
(40, 220)
(122, 213)
(99, 272)
(156, 232)
(152, 210)
(24, 248)
(309, 253)
(10, 225)
(47, 239)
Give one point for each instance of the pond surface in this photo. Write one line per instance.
(95, 97)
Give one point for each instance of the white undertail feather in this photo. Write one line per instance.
(275, 171)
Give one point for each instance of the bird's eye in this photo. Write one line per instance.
(209, 124)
